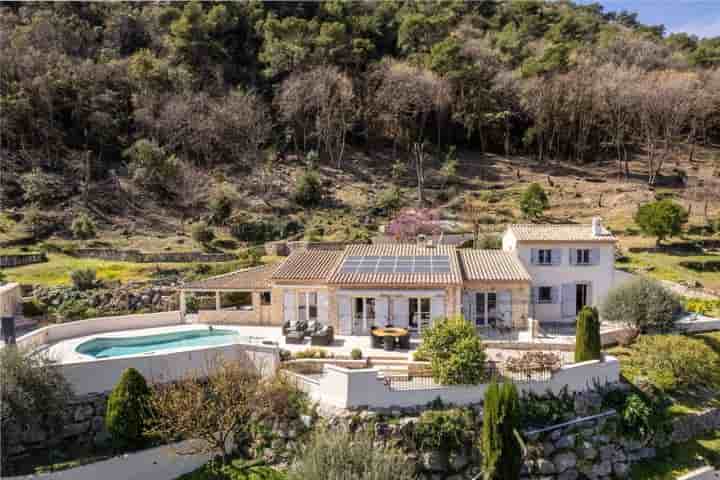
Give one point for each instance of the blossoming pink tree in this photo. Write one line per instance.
(412, 222)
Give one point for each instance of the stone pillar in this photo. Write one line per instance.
(218, 304)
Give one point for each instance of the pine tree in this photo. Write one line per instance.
(587, 339)
(126, 410)
(502, 451)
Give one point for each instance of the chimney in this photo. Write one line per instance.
(597, 228)
(420, 239)
(429, 243)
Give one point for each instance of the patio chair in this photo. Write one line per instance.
(376, 341)
(323, 337)
(404, 341)
(389, 343)
(313, 326)
(295, 337)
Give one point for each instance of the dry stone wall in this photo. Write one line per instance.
(20, 259)
(155, 257)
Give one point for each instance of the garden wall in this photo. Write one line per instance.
(158, 257)
(81, 328)
(346, 388)
(20, 259)
(10, 299)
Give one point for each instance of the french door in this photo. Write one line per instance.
(485, 308)
(363, 315)
(419, 313)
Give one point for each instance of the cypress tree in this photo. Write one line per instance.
(502, 452)
(126, 410)
(587, 337)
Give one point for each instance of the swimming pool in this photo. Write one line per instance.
(107, 347)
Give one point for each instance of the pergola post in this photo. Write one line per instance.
(218, 304)
(183, 306)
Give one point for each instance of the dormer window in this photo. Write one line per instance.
(544, 256)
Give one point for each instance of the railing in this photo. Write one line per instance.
(499, 372)
(556, 329)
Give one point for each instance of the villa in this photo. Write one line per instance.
(545, 272)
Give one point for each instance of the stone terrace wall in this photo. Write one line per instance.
(158, 257)
(20, 259)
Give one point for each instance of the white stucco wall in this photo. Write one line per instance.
(10, 299)
(345, 388)
(600, 276)
(81, 328)
(101, 375)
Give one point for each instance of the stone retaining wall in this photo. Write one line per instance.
(153, 257)
(20, 259)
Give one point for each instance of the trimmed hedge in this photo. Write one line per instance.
(127, 410)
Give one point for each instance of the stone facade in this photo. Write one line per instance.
(153, 257)
(83, 423)
(18, 260)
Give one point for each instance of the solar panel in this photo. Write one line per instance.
(396, 264)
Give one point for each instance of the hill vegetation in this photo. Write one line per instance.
(150, 115)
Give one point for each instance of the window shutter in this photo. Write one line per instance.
(590, 294)
(535, 295)
(556, 256)
(595, 256)
(533, 256)
(505, 306)
(573, 256)
(322, 299)
(289, 304)
(381, 311)
(401, 312)
(555, 294)
(345, 314)
(568, 300)
(467, 306)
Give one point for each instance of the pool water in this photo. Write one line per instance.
(117, 346)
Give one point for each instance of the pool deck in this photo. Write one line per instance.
(65, 351)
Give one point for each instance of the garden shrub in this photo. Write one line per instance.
(127, 410)
(446, 430)
(539, 411)
(587, 337)
(202, 233)
(308, 191)
(75, 309)
(83, 227)
(642, 303)
(643, 416)
(221, 203)
(534, 201)
(313, 353)
(335, 455)
(84, 278)
(356, 354)
(661, 219)
(34, 308)
(31, 391)
(457, 356)
(701, 306)
(673, 363)
(389, 199)
(502, 453)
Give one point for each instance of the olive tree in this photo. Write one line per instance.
(641, 303)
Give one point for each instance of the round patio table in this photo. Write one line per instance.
(389, 332)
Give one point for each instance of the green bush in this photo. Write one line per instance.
(539, 411)
(313, 353)
(83, 227)
(151, 166)
(221, 203)
(84, 278)
(502, 452)
(338, 454)
(308, 191)
(447, 430)
(587, 337)
(673, 363)
(661, 219)
(202, 233)
(389, 199)
(76, 309)
(356, 354)
(701, 306)
(641, 303)
(34, 308)
(127, 410)
(248, 230)
(643, 416)
(534, 201)
(456, 354)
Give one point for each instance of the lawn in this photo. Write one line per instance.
(680, 459)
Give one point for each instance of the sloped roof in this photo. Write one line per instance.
(254, 278)
(491, 265)
(310, 264)
(560, 233)
(446, 277)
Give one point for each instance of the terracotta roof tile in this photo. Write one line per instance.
(491, 265)
(310, 264)
(559, 233)
(247, 279)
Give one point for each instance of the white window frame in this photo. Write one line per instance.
(418, 327)
(544, 256)
(365, 317)
(549, 299)
(583, 256)
(485, 315)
